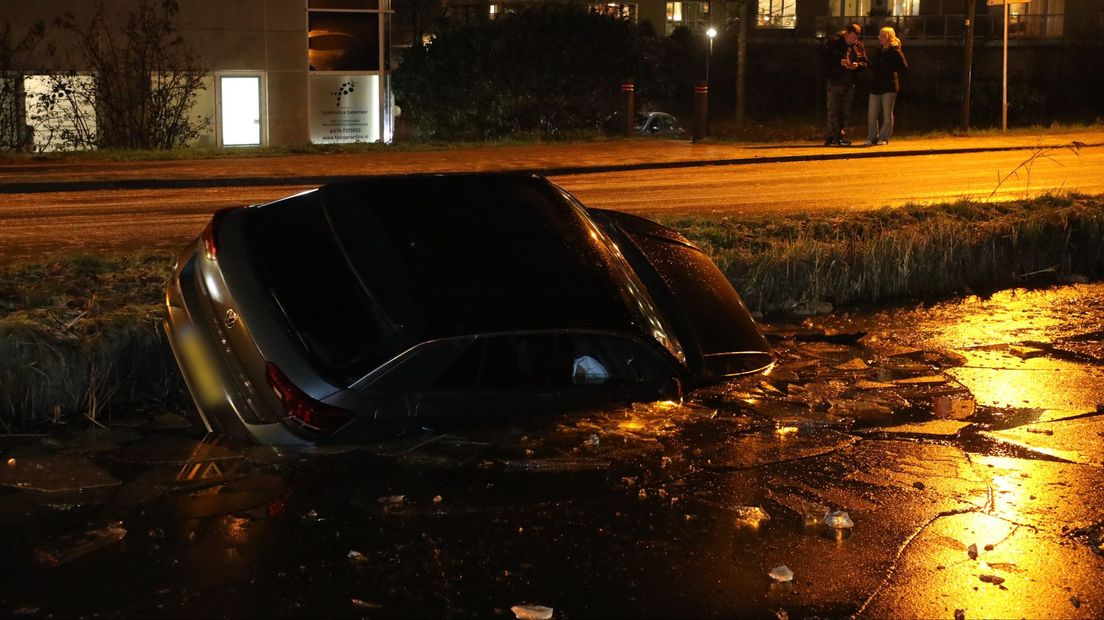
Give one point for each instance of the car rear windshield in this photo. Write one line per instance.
(365, 270)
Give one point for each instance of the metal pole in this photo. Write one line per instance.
(707, 57)
(1004, 97)
(627, 108)
(968, 63)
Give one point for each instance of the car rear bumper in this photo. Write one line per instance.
(223, 408)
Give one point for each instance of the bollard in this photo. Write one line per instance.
(701, 104)
(627, 107)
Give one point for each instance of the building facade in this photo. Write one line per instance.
(280, 72)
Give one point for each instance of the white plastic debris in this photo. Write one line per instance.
(532, 612)
(356, 556)
(588, 371)
(781, 574)
(839, 520)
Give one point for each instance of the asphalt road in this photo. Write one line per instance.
(51, 207)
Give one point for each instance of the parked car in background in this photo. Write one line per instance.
(331, 314)
(660, 124)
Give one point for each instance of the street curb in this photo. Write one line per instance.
(860, 152)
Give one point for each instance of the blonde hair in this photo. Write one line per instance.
(891, 35)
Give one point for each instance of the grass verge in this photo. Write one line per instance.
(80, 335)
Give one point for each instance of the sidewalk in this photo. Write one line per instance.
(545, 159)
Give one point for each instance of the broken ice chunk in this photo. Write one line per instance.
(532, 612)
(72, 547)
(781, 574)
(750, 516)
(839, 520)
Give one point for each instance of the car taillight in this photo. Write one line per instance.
(302, 409)
(210, 233)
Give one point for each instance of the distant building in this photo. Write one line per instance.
(286, 72)
(282, 72)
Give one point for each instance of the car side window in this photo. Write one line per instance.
(551, 362)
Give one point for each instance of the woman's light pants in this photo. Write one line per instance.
(881, 103)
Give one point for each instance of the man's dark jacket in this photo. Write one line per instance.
(836, 50)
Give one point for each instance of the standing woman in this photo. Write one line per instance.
(885, 83)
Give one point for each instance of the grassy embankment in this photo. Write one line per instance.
(80, 336)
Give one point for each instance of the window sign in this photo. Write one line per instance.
(344, 108)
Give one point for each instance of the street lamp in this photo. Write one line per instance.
(711, 33)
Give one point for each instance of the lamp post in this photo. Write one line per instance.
(711, 33)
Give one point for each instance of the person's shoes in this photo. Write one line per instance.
(843, 142)
(870, 143)
(883, 142)
(832, 142)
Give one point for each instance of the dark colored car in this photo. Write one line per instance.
(332, 314)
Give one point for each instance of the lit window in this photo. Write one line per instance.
(1039, 18)
(777, 14)
(493, 9)
(691, 15)
(906, 7)
(674, 11)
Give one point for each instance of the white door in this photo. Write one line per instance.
(240, 110)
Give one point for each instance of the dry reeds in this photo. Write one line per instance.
(915, 251)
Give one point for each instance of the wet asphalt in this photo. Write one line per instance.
(962, 440)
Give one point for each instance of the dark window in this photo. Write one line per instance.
(343, 41)
(315, 287)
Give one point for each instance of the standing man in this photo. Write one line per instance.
(844, 57)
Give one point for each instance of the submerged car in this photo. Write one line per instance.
(330, 315)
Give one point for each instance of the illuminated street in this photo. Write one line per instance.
(166, 203)
(961, 440)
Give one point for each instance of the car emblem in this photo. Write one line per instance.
(231, 318)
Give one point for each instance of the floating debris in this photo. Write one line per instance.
(972, 551)
(1076, 602)
(532, 612)
(1025, 352)
(953, 408)
(72, 547)
(750, 515)
(853, 364)
(781, 574)
(591, 442)
(839, 520)
(925, 380)
(356, 556)
(872, 385)
(993, 579)
(960, 614)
